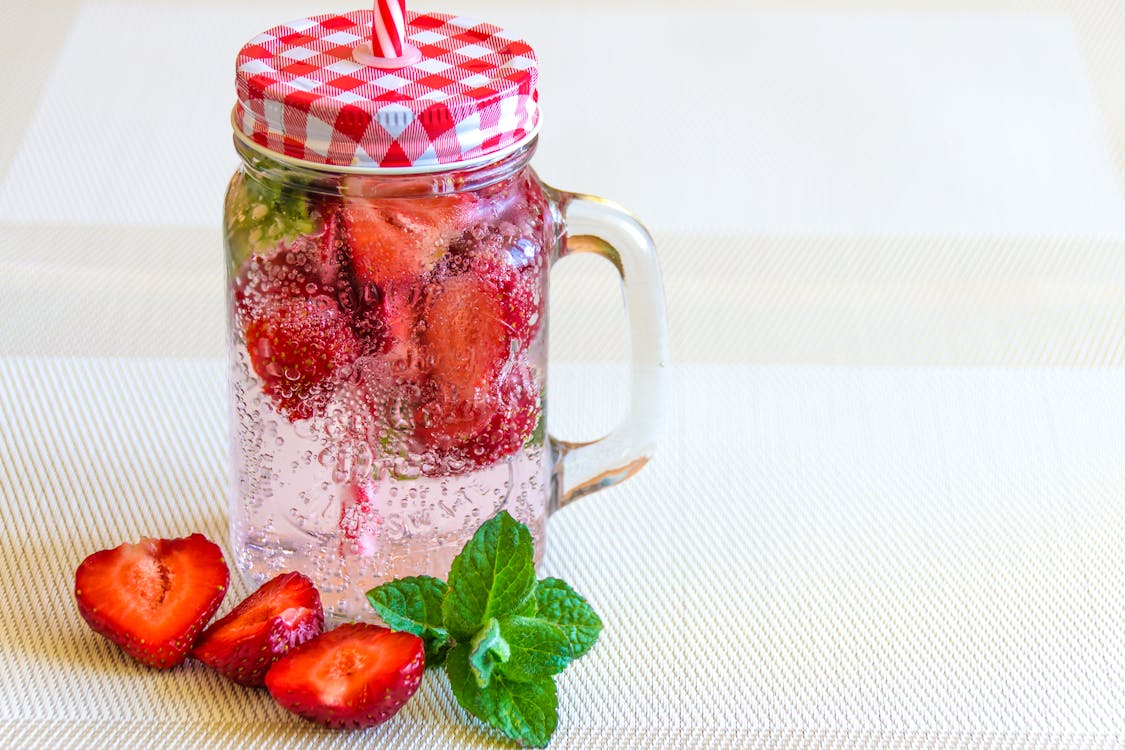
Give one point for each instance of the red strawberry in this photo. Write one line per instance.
(491, 429)
(304, 268)
(401, 239)
(353, 677)
(442, 423)
(512, 274)
(283, 613)
(398, 328)
(511, 424)
(152, 598)
(465, 338)
(298, 347)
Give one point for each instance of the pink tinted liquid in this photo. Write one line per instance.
(295, 483)
(361, 486)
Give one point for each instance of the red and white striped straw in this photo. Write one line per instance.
(389, 29)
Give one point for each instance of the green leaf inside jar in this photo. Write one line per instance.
(262, 213)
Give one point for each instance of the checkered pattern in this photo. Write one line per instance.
(302, 93)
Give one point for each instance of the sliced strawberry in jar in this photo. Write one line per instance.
(513, 274)
(490, 429)
(284, 612)
(511, 424)
(464, 336)
(401, 239)
(398, 326)
(443, 422)
(300, 348)
(152, 598)
(353, 677)
(291, 271)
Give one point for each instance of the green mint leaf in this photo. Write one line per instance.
(492, 577)
(556, 602)
(564, 628)
(413, 605)
(524, 711)
(262, 213)
(489, 649)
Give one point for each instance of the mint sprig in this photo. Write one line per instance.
(414, 606)
(525, 711)
(501, 634)
(493, 576)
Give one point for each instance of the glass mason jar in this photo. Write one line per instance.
(388, 360)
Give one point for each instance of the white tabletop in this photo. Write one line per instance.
(887, 504)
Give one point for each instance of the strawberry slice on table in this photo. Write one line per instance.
(400, 239)
(353, 677)
(152, 598)
(298, 347)
(284, 612)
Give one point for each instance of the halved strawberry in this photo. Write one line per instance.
(284, 612)
(512, 271)
(398, 329)
(305, 267)
(465, 337)
(401, 239)
(153, 597)
(443, 422)
(511, 424)
(353, 677)
(492, 428)
(298, 347)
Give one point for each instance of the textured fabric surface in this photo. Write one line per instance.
(886, 510)
(853, 556)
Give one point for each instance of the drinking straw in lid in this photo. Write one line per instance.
(388, 47)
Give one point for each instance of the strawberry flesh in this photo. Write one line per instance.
(306, 267)
(284, 612)
(353, 677)
(298, 347)
(486, 431)
(401, 239)
(465, 337)
(152, 598)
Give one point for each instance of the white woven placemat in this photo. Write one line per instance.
(819, 557)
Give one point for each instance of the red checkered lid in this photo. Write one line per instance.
(304, 92)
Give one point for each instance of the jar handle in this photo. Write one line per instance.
(598, 226)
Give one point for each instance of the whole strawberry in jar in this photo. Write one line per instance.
(388, 249)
